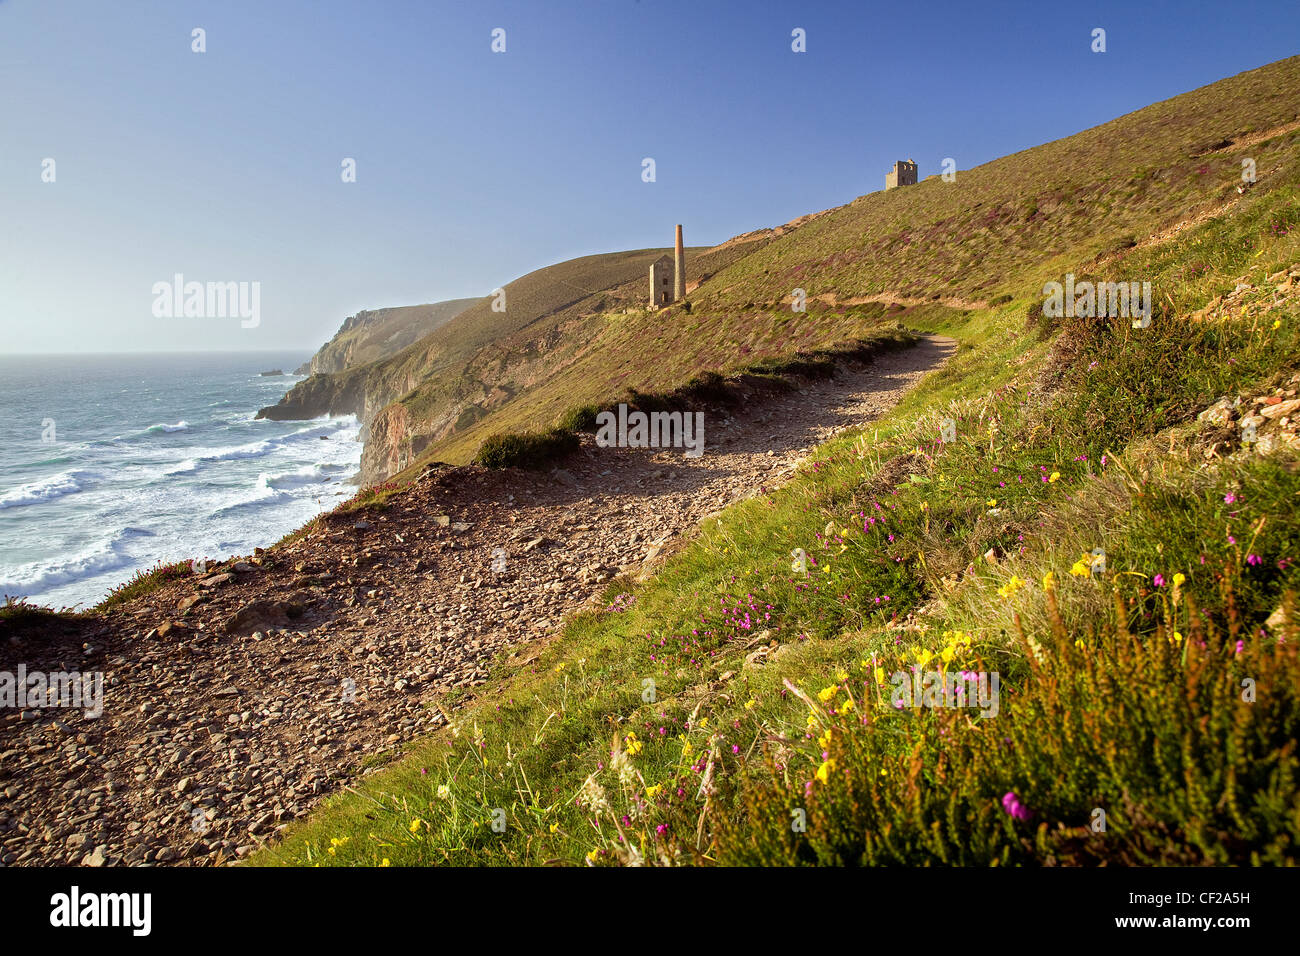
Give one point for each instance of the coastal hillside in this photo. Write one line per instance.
(995, 232)
(371, 335)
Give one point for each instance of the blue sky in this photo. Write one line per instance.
(475, 167)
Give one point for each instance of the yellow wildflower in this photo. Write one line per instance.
(824, 771)
(1011, 587)
(827, 693)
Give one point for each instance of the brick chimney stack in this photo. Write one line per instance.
(679, 262)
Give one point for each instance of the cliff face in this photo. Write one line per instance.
(370, 336)
(347, 374)
(320, 395)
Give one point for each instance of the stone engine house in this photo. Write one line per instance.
(903, 174)
(661, 281)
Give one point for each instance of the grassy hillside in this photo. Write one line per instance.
(997, 231)
(1011, 224)
(734, 709)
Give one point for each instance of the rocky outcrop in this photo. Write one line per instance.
(320, 395)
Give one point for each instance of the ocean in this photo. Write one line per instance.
(112, 463)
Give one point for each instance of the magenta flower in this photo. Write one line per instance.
(1252, 559)
(1011, 803)
(1241, 646)
(1158, 580)
(1229, 498)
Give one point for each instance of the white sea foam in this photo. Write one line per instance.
(178, 427)
(56, 486)
(309, 475)
(38, 576)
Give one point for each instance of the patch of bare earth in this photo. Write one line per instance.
(236, 701)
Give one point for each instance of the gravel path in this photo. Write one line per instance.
(234, 702)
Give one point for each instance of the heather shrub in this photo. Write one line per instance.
(1184, 738)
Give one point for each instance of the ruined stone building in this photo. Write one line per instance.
(661, 281)
(903, 174)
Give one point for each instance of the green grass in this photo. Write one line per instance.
(533, 449)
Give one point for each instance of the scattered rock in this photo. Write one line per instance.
(258, 615)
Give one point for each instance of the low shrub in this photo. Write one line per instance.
(526, 450)
(581, 418)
